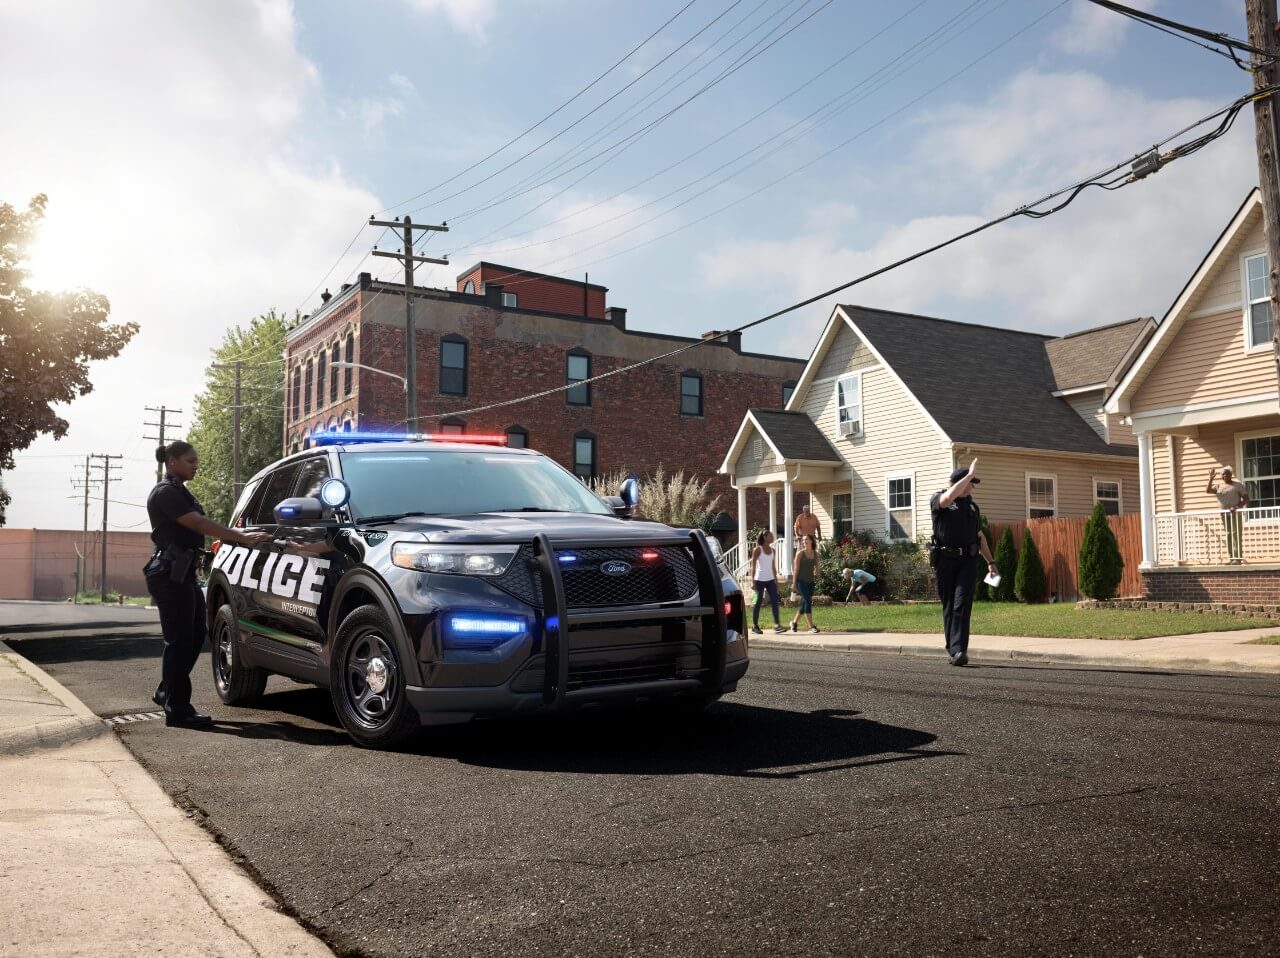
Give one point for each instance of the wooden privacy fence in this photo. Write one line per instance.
(1059, 542)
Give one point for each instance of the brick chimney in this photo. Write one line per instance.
(617, 315)
(732, 340)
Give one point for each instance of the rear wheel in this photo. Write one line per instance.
(367, 681)
(237, 683)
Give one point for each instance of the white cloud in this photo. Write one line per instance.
(372, 112)
(166, 138)
(1092, 30)
(471, 17)
(1107, 257)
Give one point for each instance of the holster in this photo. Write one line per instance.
(180, 562)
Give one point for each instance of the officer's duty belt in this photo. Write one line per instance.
(957, 552)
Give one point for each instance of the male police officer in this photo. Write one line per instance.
(957, 541)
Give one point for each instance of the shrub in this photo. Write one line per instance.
(901, 568)
(676, 500)
(1101, 565)
(1007, 564)
(1030, 583)
(982, 591)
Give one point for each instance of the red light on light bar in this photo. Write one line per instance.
(648, 555)
(478, 439)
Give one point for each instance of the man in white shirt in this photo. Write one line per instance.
(1232, 497)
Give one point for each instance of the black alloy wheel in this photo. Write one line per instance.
(367, 681)
(236, 683)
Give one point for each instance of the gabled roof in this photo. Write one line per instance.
(1138, 370)
(1095, 357)
(792, 436)
(982, 385)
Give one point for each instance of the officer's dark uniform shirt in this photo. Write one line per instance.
(956, 525)
(167, 501)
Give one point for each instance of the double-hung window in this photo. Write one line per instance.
(308, 386)
(577, 369)
(453, 365)
(899, 499)
(584, 456)
(1042, 497)
(841, 515)
(690, 394)
(1260, 470)
(321, 377)
(849, 405)
(1257, 318)
(350, 356)
(1107, 491)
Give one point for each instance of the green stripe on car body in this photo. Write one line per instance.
(276, 634)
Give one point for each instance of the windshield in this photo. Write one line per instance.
(453, 483)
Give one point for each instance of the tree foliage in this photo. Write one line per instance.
(47, 341)
(1030, 583)
(982, 591)
(1101, 564)
(261, 419)
(1007, 564)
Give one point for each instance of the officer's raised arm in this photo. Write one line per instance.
(959, 489)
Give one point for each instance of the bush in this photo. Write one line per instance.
(982, 591)
(676, 500)
(1101, 565)
(1030, 583)
(901, 568)
(1007, 564)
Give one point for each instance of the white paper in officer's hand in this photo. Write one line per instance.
(992, 579)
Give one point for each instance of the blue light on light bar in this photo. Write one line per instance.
(342, 438)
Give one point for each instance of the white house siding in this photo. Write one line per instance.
(755, 459)
(1002, 494)
(1212, 447)
(897, 438)
(1089, 407)
(1120, 434)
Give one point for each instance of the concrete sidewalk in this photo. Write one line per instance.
(97, 859)
(1206, 651)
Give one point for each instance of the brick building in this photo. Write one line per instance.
(505, 333)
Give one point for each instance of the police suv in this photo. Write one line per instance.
(432, 580)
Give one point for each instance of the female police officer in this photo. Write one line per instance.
(178, 528)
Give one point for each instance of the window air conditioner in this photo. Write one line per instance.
(850, 427)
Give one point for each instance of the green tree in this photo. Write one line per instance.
(1101, 565)
(47, 341)
(982, 591)
(1007, 564)
(1030, 583)
(261, 419)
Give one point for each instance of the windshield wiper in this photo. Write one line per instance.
(389, 517)
(531, 509)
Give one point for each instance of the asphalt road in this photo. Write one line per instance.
(840, 803)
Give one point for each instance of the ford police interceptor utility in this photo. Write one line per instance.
(426, 581)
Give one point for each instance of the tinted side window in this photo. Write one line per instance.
(244, 506)
(311, 474)
(277, 489)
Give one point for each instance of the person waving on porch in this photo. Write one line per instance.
(1232, 497)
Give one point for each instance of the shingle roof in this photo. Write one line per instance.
(981, 384)
(1092, 355)
(795, 435)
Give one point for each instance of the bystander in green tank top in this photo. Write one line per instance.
(805, 565)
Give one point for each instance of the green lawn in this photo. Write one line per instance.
(1048, 621)
(95, 598)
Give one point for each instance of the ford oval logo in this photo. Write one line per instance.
(615, 567)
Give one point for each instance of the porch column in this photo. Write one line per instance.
(773, 510)
(788, 514)
(1146, 501)
(743, 548)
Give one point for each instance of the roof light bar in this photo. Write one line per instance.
(356, 438)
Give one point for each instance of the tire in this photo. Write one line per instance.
(367, 681)
(236, 683)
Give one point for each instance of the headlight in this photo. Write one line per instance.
(454, 560)
(715, 548)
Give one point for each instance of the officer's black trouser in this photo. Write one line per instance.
(956, 580)
(181, 606)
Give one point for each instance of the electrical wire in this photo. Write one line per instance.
(1103, 178)
(1184, 31)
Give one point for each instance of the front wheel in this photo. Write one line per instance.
(367, 681)
(237, 683)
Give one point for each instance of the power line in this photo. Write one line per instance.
(1142, 164)
(1185, 31)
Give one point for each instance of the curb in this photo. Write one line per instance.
(1039, 657)
(81, 725)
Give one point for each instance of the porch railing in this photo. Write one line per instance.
(1216, 536)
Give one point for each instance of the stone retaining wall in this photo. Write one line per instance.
(1267, 612)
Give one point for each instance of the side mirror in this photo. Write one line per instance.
(630, 492)
(299, 511)
(619, 507)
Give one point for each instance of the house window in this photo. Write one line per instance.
(841, 514)
(470, 287)
(1042, 497)
(453, 426)
(1107, 491)
(584, 456)
(690, 394)
(517, 437)
(788, 390)
(453, 365)
(321, 369)
(346, 425)
(350, 357)
(849, 405)
(510, 299)
(1257, 318)
(1260, 470)
(297, 392)
(307, 386)
(577, 368)
(335, 356)
(898, 496)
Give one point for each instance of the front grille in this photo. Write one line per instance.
(669, 578)
(593, 676)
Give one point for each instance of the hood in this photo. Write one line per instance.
(522, 527)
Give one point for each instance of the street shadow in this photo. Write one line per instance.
(103, 647)
(730, 739)
(61, 628)
(279, 731)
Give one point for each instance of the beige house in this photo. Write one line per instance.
(889, 403)
(1202, 394)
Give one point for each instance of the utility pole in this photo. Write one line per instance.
(163, 424)
(106, 468)
(235, 430)
(1260, 15)
(408, 259)
(82, 562)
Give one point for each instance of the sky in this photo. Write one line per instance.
(207, 162)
